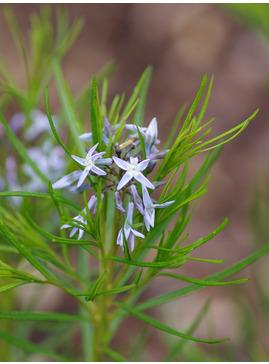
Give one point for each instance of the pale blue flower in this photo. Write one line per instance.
(90, 163)
(119, 204)
(150, 207)
(128, 231)
(81, 219)
(149, 134)
(133, 170)
(67, 181)
(107, 131)
(137, 200)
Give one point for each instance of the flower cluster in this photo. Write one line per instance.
(127, 173)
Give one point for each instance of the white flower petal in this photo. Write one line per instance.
(87, 137)
(162, 205)
(120, 239)
(97, 155)
(143, 165)
(137, 233)
(73, 231)
(80, 234)
(144, 181)
(134, 160)
(124, 180)
(67, 181)
(65, 226)
(146, 197)
(83, 176)
(89, 154)
(121, 163)
(152, 129)
(146, 223)
(103, 162)
(132, 242)
(130, 213)
(98, 171)
(92, 202)
(79, 160)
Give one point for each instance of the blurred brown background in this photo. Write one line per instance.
(182, 42)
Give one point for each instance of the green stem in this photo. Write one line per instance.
(86, 327)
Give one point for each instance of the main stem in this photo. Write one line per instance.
(102, 319)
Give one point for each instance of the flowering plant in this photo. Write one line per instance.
(135, 196)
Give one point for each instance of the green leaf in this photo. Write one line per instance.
(143, 149)
(203, 109)
(195, 103)
(94, 114)
(40, 195)
(137, 277)
(55, 200)
(178, 347)
(41, 316)
(116, 290)
(30, 347)
(9, 286)
(114, 355)
(139, 111)
(152, 322)
(94, 287)
(172, 132)
(179, 258)
(53, 129)
(202, 282)
(57, 239)
(24, 251)
(68, 106)
(170, 296)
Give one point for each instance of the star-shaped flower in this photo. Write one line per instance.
(79, 218)
(150, 207)
(128, 231)
(107, 131)
(149, 134)
(133, 170)
(90, 163)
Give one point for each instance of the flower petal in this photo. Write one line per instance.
(103, 161)
(152, 129)
(146, 223)
(137, 233)
(92, 202)
(98, 171)
(143, 165)
(144, 181)
(89, 154)
(132, 242)
(121, 163)
(146, 197)
(67, 181)
(97, 155)
(86, 137)
(137, 199)
(120, 239)
(80, 233)
(79, 160)
(65, 226)
(83, 176)
(162, 205)
(73, 231)
(119, 204)
(124, 180)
